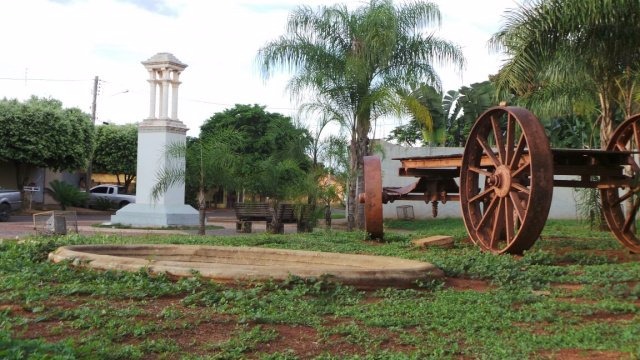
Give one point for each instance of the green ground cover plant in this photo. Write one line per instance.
(573, 295)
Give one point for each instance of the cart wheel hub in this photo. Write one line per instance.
(501, 180)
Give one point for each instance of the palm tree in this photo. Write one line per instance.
(568, 53)
(356, 63)
(210, 162)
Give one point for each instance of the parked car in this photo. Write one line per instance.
(10, 200)
(115, 194)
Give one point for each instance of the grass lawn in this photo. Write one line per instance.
(573, 296)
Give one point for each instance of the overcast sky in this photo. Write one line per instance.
(55, 48)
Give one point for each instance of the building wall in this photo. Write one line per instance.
(36, 177)
(563, 205)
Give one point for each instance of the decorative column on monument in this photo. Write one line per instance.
(155, 134)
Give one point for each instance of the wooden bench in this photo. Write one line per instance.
(284, 214)
(293, 214)
(246, 213)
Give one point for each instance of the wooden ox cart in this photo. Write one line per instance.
(506, 178)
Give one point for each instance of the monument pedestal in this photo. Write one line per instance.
(156, 134)
(156, 215)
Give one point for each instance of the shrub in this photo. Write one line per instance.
(66, 194)
(102, 204)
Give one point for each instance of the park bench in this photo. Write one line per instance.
(246, 213)
(293, 214)
(284, 214)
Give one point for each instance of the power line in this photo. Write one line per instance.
(43, 79)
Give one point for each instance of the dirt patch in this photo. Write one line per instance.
(576, 354)
(468, 284)
(306, 343)
(198, 331)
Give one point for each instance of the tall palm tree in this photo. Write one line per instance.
(358, 62)
(568, 52)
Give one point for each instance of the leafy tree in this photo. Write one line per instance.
(41, 133)
(359, 64)
(272, 149)
(452, 114)
(444, 111)
(567, 54)
(571, 131)
(408, 134)
(474, 100)
(432, 131)
(116, 151)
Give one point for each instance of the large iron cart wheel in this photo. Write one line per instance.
(506, 180)
(620, 205)
(372, 197)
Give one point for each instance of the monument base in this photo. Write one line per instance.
(145, 215)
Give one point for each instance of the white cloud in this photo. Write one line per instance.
(218, 40)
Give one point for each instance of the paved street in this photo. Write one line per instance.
(20, 226)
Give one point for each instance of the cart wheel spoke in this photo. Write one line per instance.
(634, 165)
(522, 142)
(482, 194)
(480, 171)
(519, 170)
(621, 146)
(488, 213)
(497, 134)
(521, 188)
(517, 205)
(631, 216)
(509, 150)
(488, 151)
(509, 223)
(498, 225)
(625, 197)
(636, 132)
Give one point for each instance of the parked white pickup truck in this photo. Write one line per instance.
(10, 200)
(116, 194)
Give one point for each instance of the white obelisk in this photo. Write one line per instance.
(155, 134)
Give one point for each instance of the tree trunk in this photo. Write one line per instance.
(353, 163)
(128, 179)
(361, 151)
(201, 212)
(606, 120)
(627, 89)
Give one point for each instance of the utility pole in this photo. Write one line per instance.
(87, 180)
